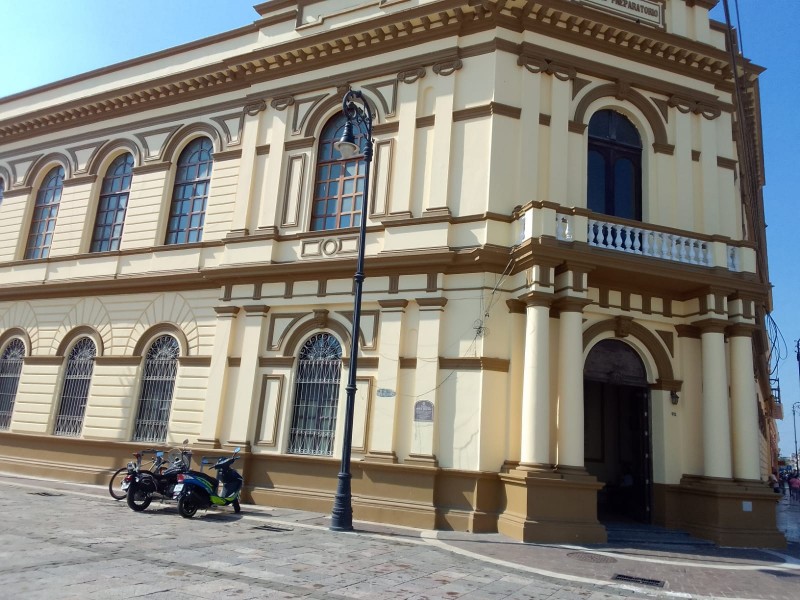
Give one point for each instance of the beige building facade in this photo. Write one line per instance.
(566, 279)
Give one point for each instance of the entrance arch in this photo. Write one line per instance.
(617, 430)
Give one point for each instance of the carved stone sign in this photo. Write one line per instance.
(648, 12)
(423, 411)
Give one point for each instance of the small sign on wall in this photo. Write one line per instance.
(649, 12)
(423, 411)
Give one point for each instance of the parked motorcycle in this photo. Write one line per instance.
(145, 486)
(195, 491)
(121, 479)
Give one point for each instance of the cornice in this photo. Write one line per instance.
(569, 22)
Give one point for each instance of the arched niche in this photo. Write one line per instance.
(43, 166)
(79, 332)
(109, 151)
(315, 325)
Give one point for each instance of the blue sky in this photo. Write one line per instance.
(48, 40)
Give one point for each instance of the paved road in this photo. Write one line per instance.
(62, 540)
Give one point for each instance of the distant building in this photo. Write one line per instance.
(563, 315)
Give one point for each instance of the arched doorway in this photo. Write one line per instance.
(617, 431)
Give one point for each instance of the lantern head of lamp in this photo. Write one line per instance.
(346, 146)
(357, 113)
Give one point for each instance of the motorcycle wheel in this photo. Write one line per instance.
(187, 507)
(115, 484)
(236, 507)
(138, 500)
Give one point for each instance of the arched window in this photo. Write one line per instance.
(187, 214)
(158, 384)
(2, 189)
(10, 369)
(316, 395)
(45, 212)
(77, 380)
(615, 166)
(339, 189)
(112, 205)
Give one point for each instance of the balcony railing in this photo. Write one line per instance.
(641, 239)
(647, 242)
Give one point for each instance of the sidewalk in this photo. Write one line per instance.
(285, 552)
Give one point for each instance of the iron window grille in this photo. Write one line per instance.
(45, 211)
(158, 385)
(10, 369)
(113, 205)
(77, 381)
(316, 396)
(187, 212)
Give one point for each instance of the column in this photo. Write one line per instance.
(423, 439)
(570, 383)
(247, 170)
(716, 414)
(535, 437)
(746, 451)
(384, 411)
(559, 173)
(442, 138)
(217, 377)
(268, 208)
(247, 388)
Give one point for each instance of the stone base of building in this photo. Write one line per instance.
(725, 511)
(550, 507)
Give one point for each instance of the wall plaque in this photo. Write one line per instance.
(385, 393)
(423, 411)
(647, 12)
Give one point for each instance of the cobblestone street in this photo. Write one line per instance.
(72, 541)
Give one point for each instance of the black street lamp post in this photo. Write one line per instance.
(357, 112)
(795, 406)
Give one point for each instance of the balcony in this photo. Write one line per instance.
(634, 238)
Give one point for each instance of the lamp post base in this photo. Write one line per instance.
(342, 513)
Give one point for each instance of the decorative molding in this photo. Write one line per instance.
(545, 120)
(253, 108)
(407, 363)
(194, 361)
(118, 361)
(411, 75)
(428, 121)
(227, 155)
(447, 67)
(299, 144)
(492, 108)
(276, 361)
(725, 163)
(282, 103)
(474, 364)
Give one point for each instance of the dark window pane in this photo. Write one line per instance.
(624, 183)
(597, 182)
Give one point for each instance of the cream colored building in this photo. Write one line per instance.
(566, 277)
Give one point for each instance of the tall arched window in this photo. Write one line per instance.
(77, 381)
(316, 395)
(615, 166)
(112, 205)
(45, 211)
(339, 189)
(187, 214)
(10, 369)
(158, 384)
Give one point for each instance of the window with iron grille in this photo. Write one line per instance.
(77, 380)
(158, 384)
(112, 205)
(45, 211)
(316, 396)
(187, 213)
(339, 188)
(10, 369)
